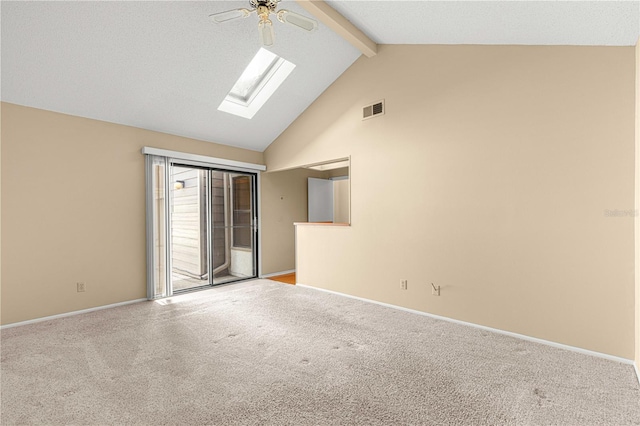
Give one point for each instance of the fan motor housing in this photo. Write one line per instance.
(271, 4)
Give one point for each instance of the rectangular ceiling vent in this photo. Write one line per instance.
(373, 110)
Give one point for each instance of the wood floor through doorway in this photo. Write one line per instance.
(286, 278)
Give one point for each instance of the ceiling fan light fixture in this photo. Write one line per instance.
(267, 36)
(297, 20)
(264, 8)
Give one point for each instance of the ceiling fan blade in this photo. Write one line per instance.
(230, 15)
(297, 20)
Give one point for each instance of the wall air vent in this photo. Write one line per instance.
(373, 110)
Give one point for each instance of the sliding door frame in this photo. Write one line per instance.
(213, 164)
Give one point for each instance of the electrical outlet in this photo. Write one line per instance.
(435, 291)
(403, 284)
(80, 287)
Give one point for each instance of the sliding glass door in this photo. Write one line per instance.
(189, 227)
(204, 232)
(234, 226)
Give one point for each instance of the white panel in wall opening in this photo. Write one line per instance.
(320, 199)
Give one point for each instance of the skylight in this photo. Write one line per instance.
(262, 77)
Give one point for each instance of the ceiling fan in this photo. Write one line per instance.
(263, 8)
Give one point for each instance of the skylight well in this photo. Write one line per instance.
(262, 77)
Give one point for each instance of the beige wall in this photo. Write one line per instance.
(489, 175)
(73, 209)
(283, 199)
(341, 201)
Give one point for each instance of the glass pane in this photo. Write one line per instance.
(219, 217)
(189, 228)
(253, 75)
(242, 215)
(242, 237)
(232, 223)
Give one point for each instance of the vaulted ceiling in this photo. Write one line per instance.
(595, 23)
(165, 66)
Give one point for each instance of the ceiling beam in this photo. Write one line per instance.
(338, 23)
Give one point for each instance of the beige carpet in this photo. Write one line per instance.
(263, 352)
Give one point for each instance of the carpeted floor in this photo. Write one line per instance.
(262, 352)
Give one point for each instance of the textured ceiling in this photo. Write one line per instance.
(595, 23)
(165, 66)
(162, 66)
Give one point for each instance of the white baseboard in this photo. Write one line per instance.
(275, 274)
(68, 314)
(635, 367)
(482, 327)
